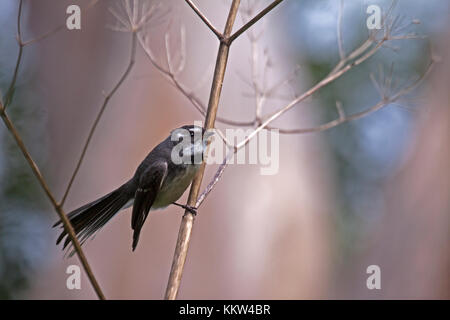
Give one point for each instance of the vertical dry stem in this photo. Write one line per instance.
(184, 235)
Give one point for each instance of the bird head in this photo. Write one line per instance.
(189, 143)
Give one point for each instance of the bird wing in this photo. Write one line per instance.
(150, 183)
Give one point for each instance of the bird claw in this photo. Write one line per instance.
(191, 209)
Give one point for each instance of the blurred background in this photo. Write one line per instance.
(375, 191)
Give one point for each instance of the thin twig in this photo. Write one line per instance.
(45, 35)
(204, 19)
(100, 114)
(254, 20)
(216, 178)
(11, 89)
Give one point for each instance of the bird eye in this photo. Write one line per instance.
(192, 133)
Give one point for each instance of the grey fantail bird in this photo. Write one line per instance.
(159, 181)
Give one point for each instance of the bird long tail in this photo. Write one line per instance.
(90, 218)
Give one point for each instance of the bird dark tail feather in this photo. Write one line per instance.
(88, 219)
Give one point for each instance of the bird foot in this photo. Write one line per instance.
(191, 209)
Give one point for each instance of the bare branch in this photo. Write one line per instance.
(342, 119)
(204, 19)
(215, 179)
(389, 26)
(10, 91)
(254, 20)
(364, 52)
(66, 222)
(326, 126)
(132, 19)
(385, 100)
(45, 35)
